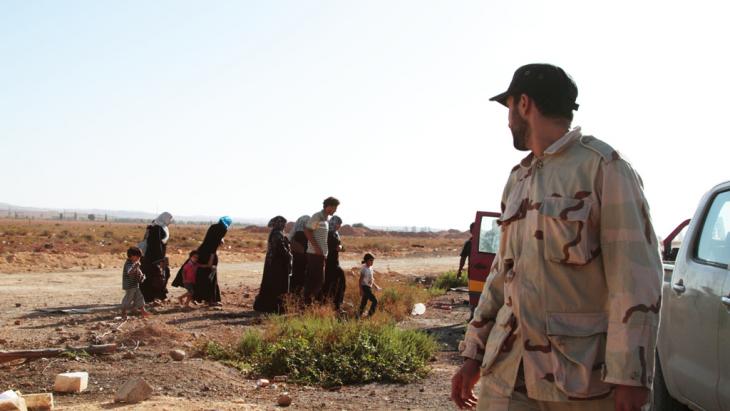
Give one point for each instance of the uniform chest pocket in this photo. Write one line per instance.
(565, 224)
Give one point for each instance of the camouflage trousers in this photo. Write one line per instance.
(521, 402)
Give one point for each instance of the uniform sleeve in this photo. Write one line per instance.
(485, 313)
(633, 269)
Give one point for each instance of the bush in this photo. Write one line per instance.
(449, 280)
(313, 349)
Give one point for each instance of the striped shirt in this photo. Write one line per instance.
(131, 275)
(320, 228)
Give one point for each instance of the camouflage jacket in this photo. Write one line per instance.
(574, 292)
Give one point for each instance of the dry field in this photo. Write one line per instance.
(53, 246)
(47, 264)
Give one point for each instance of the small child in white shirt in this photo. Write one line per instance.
(367, 282)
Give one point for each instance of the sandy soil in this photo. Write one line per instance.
(196, 383)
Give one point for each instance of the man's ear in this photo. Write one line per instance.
(525, 105)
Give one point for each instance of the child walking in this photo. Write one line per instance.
(367, 282)
(131, 278)
(190, 270)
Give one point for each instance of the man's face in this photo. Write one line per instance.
(134, 258)
(330, 210)
(518, 125)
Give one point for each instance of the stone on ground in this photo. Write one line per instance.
(284, 400)
(177, 355)
(39, 401)
(71, 382)
(133, 391)
(11, 401)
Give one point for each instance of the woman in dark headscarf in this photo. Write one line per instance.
(298, 241)
(275, 281)
(334, 276)
(154, 245)
(206, 279)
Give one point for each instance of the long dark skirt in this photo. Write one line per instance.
(154, 286)
(206, 286)
(298, 272)
(274, 285)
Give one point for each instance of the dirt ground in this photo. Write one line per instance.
(195, 383)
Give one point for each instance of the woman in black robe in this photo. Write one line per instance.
(298, 242)
(206, 279)
(334, 276)
(277, 267)
(154, 245)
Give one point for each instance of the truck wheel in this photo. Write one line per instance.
(661, 399)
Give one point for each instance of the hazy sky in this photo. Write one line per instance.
(258, 108)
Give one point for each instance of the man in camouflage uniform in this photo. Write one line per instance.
(569, 313)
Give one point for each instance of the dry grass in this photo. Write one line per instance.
(46, 245)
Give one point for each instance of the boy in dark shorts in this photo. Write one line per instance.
(131, 278)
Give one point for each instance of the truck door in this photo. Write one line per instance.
(689, 339)
(484, 246)
(723, 385)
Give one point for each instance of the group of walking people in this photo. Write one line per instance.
(306, 263)
(146, 272)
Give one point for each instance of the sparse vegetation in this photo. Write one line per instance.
(320, 347)
(450, 280)
(326, 351)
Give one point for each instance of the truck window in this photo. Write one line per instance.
(488, 235)
(714, 243)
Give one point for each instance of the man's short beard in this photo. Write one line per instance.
(520, 129)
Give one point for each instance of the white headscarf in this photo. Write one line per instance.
(299, 225)
(163, 220)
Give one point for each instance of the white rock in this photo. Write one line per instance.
(39, 401)
(262, 383)
(133, 391)
(11, 401)
(418, 309)
(71, 382)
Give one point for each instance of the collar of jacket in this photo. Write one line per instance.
(561, 144)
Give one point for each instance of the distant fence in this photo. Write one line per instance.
(58, 215)
(80, 216)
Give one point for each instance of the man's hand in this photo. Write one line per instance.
(462, 384)
(458, 273)
(629, 398)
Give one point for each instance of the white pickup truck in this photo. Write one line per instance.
(693, 348)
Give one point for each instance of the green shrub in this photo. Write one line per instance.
(450, 280)
(313, 349)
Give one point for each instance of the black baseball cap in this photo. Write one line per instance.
(549, 85)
